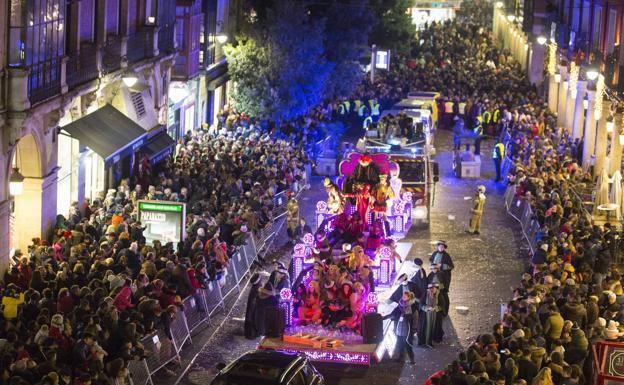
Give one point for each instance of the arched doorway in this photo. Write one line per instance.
(26, 211)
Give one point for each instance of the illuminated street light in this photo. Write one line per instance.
(222, 38)
(511, 18)
(129, 79)
(16, 182)
(591, 74)
(499, 4)
(541, 40)
(557, 78)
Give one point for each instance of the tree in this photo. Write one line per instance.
(394, 29)
(279, 71)
(347, 26)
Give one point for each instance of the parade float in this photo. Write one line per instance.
(368, 196)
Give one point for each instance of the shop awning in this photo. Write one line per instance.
(108, 132)
(158, 147)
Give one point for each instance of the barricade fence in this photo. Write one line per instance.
(520, 209)
(162, 348)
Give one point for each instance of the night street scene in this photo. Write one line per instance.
(311, 192)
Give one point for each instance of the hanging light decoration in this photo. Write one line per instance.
(552, 58)
(573, 82)
(600, 91)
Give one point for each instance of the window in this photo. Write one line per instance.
(610, 44)
(597, 27)
(87, 20)
(137, 103)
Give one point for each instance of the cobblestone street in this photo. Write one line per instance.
(485, 268)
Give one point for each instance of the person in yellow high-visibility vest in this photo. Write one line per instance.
(478, 204)
(375, 109)
(498, 154)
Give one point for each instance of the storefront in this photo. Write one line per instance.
(184, 110)
(95, 153)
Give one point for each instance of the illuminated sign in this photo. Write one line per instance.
(163, 221)
(382, 59)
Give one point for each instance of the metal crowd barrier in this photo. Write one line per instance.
(520, 209)
(197, 309)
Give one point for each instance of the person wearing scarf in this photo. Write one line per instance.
(402, 316)
(430, 325)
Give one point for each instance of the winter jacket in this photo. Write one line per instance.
(553, 326)
(575, 312)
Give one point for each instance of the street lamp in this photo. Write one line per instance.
(499, 4)
(591, 74)
(541, 40)
(16, 182)
(222, 38)
(585, 102)
(610, 124)
(511, 18)
(129, 79)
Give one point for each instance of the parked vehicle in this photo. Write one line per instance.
(269, 367)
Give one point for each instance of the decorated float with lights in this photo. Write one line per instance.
(367, 192)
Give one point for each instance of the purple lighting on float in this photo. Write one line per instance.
(372, 298)
(299, 249)
(332, 356)
(321, 206)
(407, 196)
(308, 239)
(286, 294)
(384, 272)
(385, 252)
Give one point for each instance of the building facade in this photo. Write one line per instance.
(571, 51)
(198, 90)
(69, 70)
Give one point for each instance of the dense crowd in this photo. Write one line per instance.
(570, 295)
(75, 307)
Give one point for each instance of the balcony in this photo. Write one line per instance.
(166, 38)
(140, 45)
(44, 80)
(111, 57)
(82, 66)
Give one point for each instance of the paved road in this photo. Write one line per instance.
(485, 268)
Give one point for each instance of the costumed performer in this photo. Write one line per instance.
(335, 204)
(292, 217)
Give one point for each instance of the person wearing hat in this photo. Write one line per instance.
(279, 278)
(292, 216)
(267, 298)
(431, 313)
(402, 315)
(419, 279)
(335, 203)
(250, 328)
(441, 268)
(478, 204)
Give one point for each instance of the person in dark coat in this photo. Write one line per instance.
(443, 260)
(419, 279)
(403, 329)
(430, 322)
(251, 329)
(279, 278)
(266, 299)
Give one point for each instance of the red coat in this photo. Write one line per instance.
(65, 304)
(122, 299)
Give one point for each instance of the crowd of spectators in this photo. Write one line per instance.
(570, 295)
(76, 306)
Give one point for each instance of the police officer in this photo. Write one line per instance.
(478, 131)
(374, 109)
(498, 154)
(478, 204)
